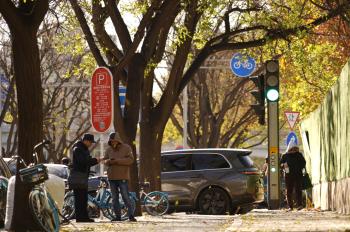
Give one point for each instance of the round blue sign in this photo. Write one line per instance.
(292, 138)
(242, 66)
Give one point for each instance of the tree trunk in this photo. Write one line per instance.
(150, 148)
(30, 113)
(127, 125)
(29, 94)
(22, 220)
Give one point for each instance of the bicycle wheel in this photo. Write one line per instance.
(55, 211)
(92, 208)
(156, 203)
(68, 210)
(108, 211)
(44, 211)
(123, 208)
(106, 205)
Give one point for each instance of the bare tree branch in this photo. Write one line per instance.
(87, 32)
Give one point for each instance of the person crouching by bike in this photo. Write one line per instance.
(78, 180)
(118, 158)
(293, 163)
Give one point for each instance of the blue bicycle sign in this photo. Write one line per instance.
(242, 66)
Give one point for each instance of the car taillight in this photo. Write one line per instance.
(250, 172)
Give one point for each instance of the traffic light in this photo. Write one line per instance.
(259, 95)
(272, 80)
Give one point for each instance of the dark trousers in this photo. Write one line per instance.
(294, 183)
(122, 187)
(80, 203)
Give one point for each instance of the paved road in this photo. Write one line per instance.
(257, 220)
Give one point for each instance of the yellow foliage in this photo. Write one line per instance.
(171, 134)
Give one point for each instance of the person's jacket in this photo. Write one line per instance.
(120, 160)
(82, 160)
(296, 163)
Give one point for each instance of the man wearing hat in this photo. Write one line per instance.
(119, 158)
(82, 161)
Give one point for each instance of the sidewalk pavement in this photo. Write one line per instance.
(178, 222)
(256, 220)
(281, 220)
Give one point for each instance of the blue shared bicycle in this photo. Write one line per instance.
(156, 203)
(101, 202)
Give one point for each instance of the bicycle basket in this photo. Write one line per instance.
(34, 175)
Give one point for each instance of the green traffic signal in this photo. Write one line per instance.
(272, 95)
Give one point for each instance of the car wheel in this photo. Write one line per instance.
(213, 201)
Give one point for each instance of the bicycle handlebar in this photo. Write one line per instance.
(36, 147)
(41, 144)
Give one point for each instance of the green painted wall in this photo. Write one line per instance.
(326, 134)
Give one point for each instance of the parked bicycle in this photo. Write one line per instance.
(101, 202)
(156, 203)
(41, 204)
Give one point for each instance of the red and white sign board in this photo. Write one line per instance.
(101, 99)
(292, 118)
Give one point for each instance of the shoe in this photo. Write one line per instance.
(300, 208)
(85, 220)
(118, 219)
(289, 209)
(132, 219)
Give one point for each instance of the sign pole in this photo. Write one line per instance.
(102, 152)
(101, 104)
(185, 117)
(274, 160)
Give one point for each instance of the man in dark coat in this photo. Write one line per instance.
(293, 163)
(82, 161)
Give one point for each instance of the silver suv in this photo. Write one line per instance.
(213, 181)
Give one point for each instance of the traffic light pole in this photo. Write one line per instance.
(273, 189)
(268, 86)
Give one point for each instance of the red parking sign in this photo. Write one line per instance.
(101, 99)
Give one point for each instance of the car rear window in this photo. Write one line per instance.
(208, 161)
(246, 161)
(173, 163)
